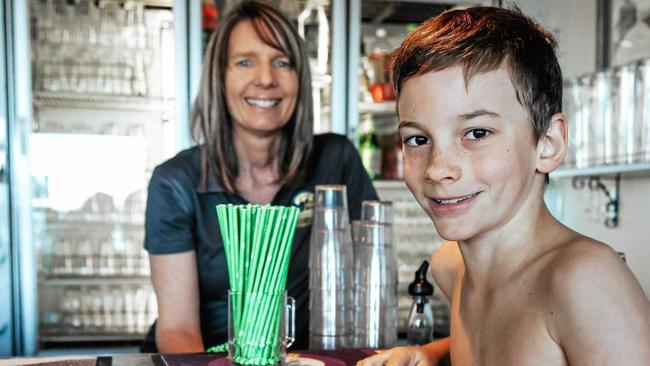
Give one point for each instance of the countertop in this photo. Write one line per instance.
(340, 357)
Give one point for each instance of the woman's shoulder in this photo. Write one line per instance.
(184, 166)
(331, 143)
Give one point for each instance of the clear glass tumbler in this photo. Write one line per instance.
(375, 267)
(260, 327)
(330, 270)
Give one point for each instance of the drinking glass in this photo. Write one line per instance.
(627, 118)
(331, 270)
(600, 142)
(643, 152)
(582, 138)
(260, 327)
(375, 303)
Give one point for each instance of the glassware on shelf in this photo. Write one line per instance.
(86, 48)
(571, 105)
(314, 28)
(643, 152)
(601, 129)
(626, 95)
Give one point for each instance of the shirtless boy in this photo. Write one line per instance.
(480, 98)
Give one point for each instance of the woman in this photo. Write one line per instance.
(252, 121)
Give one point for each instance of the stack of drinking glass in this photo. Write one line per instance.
(330, 271)
(375, 278)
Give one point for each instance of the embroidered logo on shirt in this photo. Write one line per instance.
(305, 201)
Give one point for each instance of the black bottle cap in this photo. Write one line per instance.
(420, 286)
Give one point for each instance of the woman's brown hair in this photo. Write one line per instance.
(210, 122)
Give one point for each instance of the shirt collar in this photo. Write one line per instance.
(208, 182)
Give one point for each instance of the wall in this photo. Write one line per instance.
(574, 24)
(579, 210)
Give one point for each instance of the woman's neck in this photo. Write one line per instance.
(257, 153)
(259, 177)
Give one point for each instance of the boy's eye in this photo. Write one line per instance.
(477, 134)
(417, 140)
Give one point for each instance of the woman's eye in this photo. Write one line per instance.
(477, 134)
(243, 63)
(283, 64)
(415, 140)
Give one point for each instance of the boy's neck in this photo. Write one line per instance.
(494, 257)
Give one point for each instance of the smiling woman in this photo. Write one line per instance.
(261, 84)
(252, 122)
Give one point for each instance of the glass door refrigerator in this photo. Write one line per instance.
(97, 94)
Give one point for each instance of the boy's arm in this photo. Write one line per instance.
(427, 355)
(598, 313)
(435, 350)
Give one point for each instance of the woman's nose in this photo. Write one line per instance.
(443, 167)
(265, 76)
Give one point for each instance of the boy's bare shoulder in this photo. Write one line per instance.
(578, 259)
(446, 262)
(593, 301)
(580, 265)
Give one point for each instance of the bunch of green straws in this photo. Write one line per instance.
(257, 242)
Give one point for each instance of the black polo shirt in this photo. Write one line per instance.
(181, 216)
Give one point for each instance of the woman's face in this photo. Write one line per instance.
(261, 85)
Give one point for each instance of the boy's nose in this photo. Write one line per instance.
(443, 167)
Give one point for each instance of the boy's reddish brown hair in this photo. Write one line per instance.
(481, 39)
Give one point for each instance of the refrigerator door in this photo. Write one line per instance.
(6, 340)
(18, 323)
(105, 99)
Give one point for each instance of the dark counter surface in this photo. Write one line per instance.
(339, 357)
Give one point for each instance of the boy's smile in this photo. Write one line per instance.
(469, 155)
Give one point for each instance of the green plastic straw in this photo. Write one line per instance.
(257, 243)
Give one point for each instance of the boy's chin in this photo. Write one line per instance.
(454, 231)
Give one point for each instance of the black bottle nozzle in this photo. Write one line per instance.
(420, 286)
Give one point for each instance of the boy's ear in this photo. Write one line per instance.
(552, 145)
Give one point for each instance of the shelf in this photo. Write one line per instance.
(389, 184)
(89, 281)
(628, 170)
(91, 337)
(377, 108)
(87, 101)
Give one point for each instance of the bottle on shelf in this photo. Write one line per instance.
(369, 148)
(379, 56)
(420, 322)
(391, 157)
(209, 15)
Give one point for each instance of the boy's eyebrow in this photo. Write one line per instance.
(407, 124)
(475, 114)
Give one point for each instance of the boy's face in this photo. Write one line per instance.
(469, 156)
